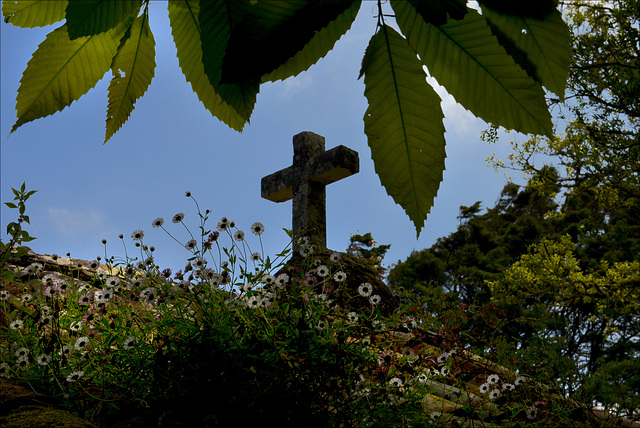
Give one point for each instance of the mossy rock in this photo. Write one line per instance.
(22, 408)
(358, 271)
(40, 417)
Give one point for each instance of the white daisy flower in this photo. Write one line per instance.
(4, 370)
(178, 218)
(22, 363)
(16, 324)
(191, 244)
(113, 281)
(239, 236)
(322, 271)
(443, 357)
(129, 343)
(82, 343)
(375, 299)
(340, 276)
(269, 279)
(334, 257)
(304, 251)
(75, 376)
(4, 295)
(253, 302)
(484, 388)
(46, 320)
(137, 235)
(157, 222)
(492, 379)
(494, 394)
(22, 352)
(85, 299)
(149, 294)
(49, 279)
(395, 382)
(102, 296)
(75, 326)
(422, 377)
(32, 269)
(44, 359)
(282, 279)
(199, 263)
(365, 289)
(257, 228)
(352, 317)
(520, 380)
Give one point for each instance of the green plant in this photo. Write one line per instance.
(236, 337)
(367, 248)
(132, 340)
(494, 59)
(17, 235)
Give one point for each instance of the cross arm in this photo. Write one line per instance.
(334, 165)
(277, 187)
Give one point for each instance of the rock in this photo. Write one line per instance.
(20, 407)
(358, 271)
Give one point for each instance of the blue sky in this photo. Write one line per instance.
(88, 191)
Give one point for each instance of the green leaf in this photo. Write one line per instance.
(270, 33)
(133, 69)
(91, 17)
(469, 62)
(8, 276)
(216, 18)
(437, 12)
(185, 29)
(321, 43)
(34, 13)
(538, 9)
(11, 205)
(547, 45)
(403, 124)
(62, 70)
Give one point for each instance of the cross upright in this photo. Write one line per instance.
(305, 181)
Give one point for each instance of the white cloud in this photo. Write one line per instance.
(293, 85)
(76, 223)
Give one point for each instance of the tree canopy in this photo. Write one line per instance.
(560, 257)
(494, 60)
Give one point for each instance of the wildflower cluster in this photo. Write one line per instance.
(256, 337)
(116, 323)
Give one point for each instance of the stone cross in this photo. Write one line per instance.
(305, 181)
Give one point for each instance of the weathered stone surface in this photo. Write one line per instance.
(20, 407)
(305, 182)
